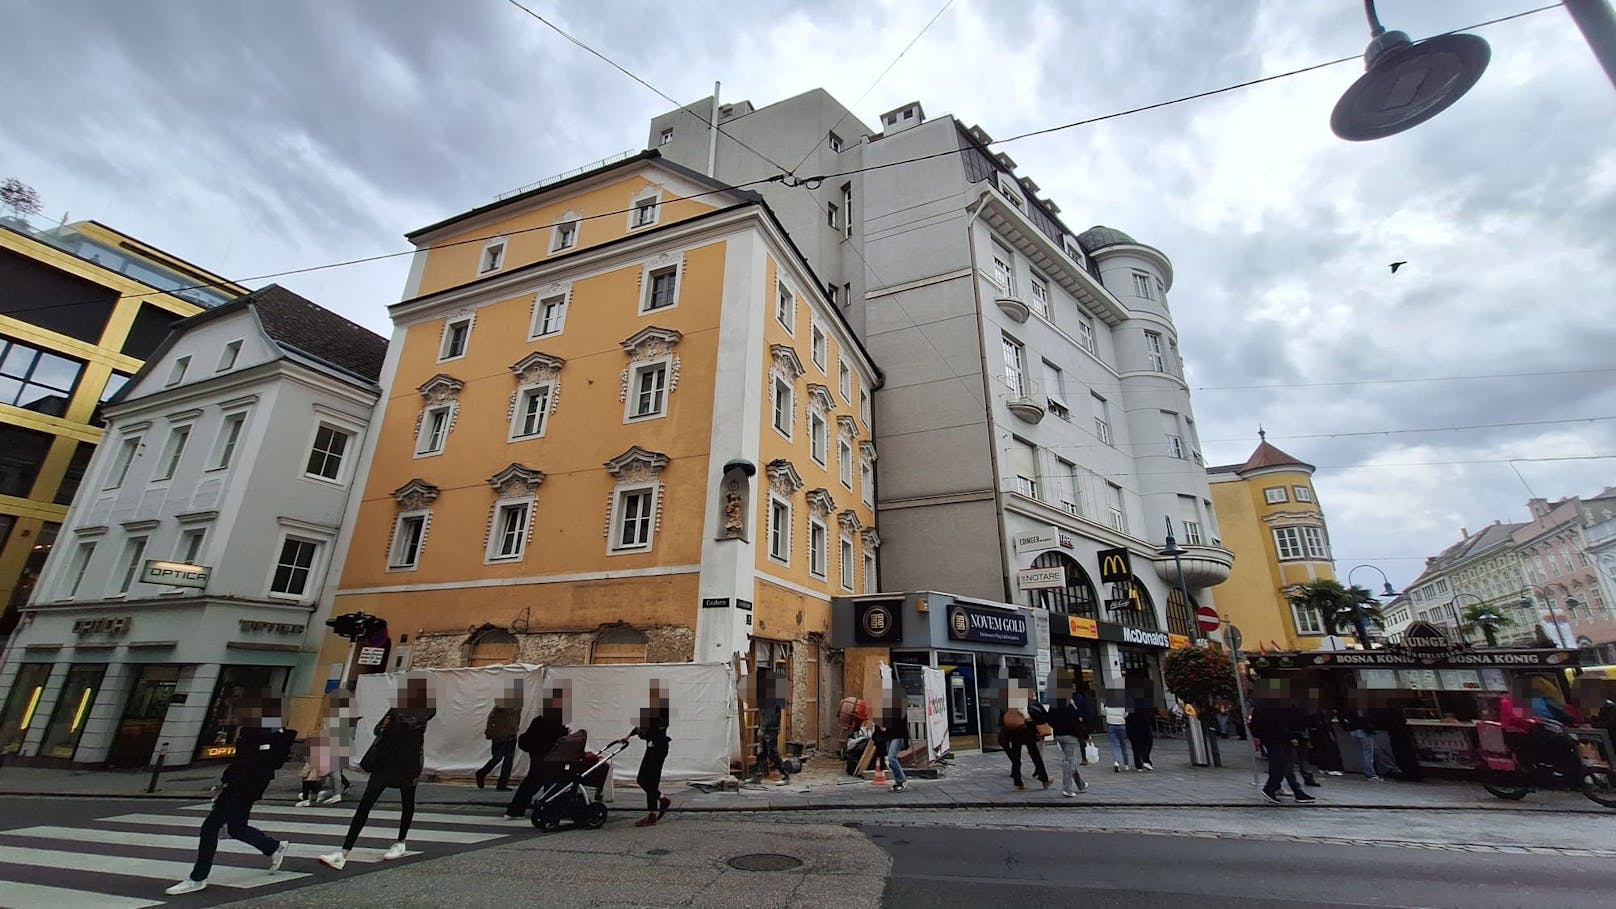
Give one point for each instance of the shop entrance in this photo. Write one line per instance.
(143, 716)
(959, 680)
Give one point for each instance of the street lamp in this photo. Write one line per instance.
(1386, 583)
(1571, 603)
(1458, 618)
(1173, 549)
(1406, 83)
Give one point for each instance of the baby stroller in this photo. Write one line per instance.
(564, 799)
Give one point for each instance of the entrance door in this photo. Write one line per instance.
(143, 716)
(959, 682)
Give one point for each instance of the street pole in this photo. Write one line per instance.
(1598, 27)
(1240, 692)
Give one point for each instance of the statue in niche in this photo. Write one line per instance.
(734, 511)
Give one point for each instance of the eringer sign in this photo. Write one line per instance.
(175, 574)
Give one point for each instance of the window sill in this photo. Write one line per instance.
(391, 569)
(819, 577)
(286, 597)
(326, 481)
(663, 308)
(451, 359)
(548, 334)
(537, 435)
(428, 454)
(502, 560)
(784, 563)
(628, 550)
(781, 433)
(220, 468)
(642, 418)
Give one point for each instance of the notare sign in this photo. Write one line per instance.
(994, 626)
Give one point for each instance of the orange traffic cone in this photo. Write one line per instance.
(880, 775)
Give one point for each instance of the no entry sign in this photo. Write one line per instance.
(1207, 618)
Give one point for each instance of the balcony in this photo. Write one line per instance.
(1014, 308)
(1025, 398)
(1204, 566)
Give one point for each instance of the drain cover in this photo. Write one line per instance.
(765, 861)
(658, 851)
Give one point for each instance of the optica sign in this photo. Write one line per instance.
(175, 574)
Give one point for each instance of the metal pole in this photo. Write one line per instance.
(712, 134)
(157, 768)
(1240, 691)
(1598, 27)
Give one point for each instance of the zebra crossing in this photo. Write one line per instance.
(125, 860)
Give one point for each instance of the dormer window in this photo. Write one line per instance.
(493, 256)
(564, 235)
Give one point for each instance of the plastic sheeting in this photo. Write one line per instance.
(606, 700)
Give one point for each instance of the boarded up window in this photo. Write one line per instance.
(619, 645)
(493, 647)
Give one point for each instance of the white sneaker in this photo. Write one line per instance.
(332, 799)
(185, 886)
(1148, 767)
(394, 851)
(303, 803)
(334, 860)
(279, 856)
(1070, 795)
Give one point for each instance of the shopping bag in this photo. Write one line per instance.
(1091, 754)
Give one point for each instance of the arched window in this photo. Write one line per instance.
(619, 645)
(1180, 612)
(1140, 611)
(1077, 597)
(492, 647)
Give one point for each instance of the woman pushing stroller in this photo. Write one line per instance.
(653, 729)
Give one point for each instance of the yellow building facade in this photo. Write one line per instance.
(622, 424)
(1270, 518)
(81, 306)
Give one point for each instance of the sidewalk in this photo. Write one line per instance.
(969, 781)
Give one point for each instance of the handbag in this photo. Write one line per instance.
(1045, 730)
(1091, 754)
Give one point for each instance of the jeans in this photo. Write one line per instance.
(1279, 769)
(229, 812)
(504, 754)
(1038, 771)
(1071, 747)
(1366, 747)
(373, 791)
(893, 766)
(1119, 744)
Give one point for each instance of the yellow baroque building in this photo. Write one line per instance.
(1271, 519)
(623, 423)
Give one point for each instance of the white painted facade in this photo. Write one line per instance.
(250, 412)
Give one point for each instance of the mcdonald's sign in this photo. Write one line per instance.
(1115, 566)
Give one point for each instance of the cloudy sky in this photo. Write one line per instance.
(260, 138)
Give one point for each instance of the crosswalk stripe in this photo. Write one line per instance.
(345, 812)
(184, 843)
(375, 831)
(222, 876)
(20, 895)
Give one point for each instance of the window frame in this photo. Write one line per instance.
(620, 496)
(1102, 418)
(844, 458)
(421, 435)
(833, 218)
(847, 210)
(445, 354)
(1141, 285)
(83, 553)
(870, 572)
(819, 345)
(311, 570)
(822, 571)
(1038, 295)
(168, 463)
(779, 545)
(864, 407)
(197, 532)
(559, 232)
(1193, 534)
(484, 267)
(394, 563)
(350, 437)
(1086, 338)
(781, 414)
(492, 554)
(845, 567)
(662, 365)
(1270, 497)
(665, 137)
(132, 558)
(1288, 539)
(1315, 621)
(818, 437)
(1117, 506)
(1315, 546)
(649, 282)
(232, 351)
(1004, 268)
(541, 303)
(1302, 493)
(833, 141)
(176, 373)
(785, 308)
(519, 414)
(1154, 353)
(638, 204)
(844, 380)
(129, 445)
(227, 440)
(867, 481)
(1015, 364)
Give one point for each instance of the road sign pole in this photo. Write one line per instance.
(1232, 637)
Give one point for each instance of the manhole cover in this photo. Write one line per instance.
(765, 861)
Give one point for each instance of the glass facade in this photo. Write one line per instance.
(72, 710)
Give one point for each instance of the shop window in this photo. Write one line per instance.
(22, 705)
(1180, 613)
(1077, 597)
(492, 647)
(1140, 609)
(72, 712)
(238, 687)
(620, 645)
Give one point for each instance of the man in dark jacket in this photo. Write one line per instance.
(1068, 720)
(500, 731)
(262, 747)
(542, 735)
(1276, 723)
(771, 705)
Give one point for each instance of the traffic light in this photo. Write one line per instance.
(356, 625)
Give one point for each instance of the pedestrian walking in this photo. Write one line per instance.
(1069, 723)
(316, 769)
(540, 737)
(394, 761)
(504, 721)
(1116, 726)
(1018, 731)
(771, 706)
(1080, 700)
(340, 723)
(892, 734)
(1273, 725)
(1362, 731)
(1140, 727)
(653, 730)
(262, 748)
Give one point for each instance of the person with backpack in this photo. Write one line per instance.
(1070, 725)
(504, 719)
(262, 748)
(541, 737)
(394, 761)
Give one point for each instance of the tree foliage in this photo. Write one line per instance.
(1341, 608)
(1487, 620)
(20, 197)
(1200, 675)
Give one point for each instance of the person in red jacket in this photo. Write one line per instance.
(262, 747)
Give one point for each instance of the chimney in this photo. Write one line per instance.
(1538, 507)
(1464, 533)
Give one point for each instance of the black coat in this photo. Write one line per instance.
(541, 736)
(653, 729)
(399, 753)
(1066, 719)
(1275, 724)
(1141, 723)
(259, 753)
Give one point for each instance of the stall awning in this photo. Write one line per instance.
(1266, 663)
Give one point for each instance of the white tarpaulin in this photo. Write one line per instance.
(606, 700)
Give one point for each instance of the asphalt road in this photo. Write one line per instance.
(941, 867)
